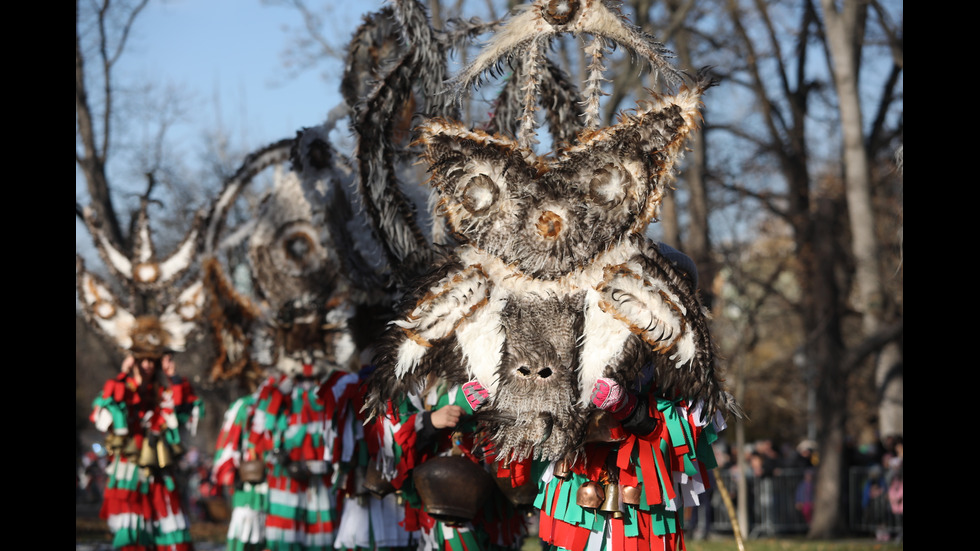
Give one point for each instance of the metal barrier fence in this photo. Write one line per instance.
(773, 506)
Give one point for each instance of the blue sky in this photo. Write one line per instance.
(230, 53)
(233, 50)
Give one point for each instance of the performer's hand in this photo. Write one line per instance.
(609, 396)
(128, 363)
(446, 417)
(475, 394)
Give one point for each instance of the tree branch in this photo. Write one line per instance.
(873, 343)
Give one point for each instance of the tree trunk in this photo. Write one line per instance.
(697, 243)
(826, 348)
(845, 28)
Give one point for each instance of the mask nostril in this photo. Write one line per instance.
(524, 370)
(545, 373)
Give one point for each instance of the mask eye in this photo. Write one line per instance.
(608, 185)
(299, 246)
(479, 194)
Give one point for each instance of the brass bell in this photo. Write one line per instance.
(114, 443)
(252, 471)
(631, 494)
(611, 503)
(561, 469)
(148, 454)
(375, 481)
(590, 495)
(164, 456)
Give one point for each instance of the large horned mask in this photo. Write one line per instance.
(159, 314)
(553, 284)
(297, 322)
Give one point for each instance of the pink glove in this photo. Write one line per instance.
(609, 396)
(475, 394)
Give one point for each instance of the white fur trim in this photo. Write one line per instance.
(602, 342)
(409, 355)
(482, 341)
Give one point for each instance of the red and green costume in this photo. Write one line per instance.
(668, 465)
(295, 426)
(142, 503)
(407, 442)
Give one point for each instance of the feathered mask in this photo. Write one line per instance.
(157, 317)
(299, 322)
(553, 284)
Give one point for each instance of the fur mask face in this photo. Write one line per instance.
(312, 339)
(535, 407)
(169, 313)
(551, 217)
(553, 285)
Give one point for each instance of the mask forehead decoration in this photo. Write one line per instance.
(552, 284)
(297, 322)
(158, 313)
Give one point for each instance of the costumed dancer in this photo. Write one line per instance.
(373, 517)
(279, 447)
(285, 445)
(550, 288)
(146, 407)
(433, 454)
(143, 411)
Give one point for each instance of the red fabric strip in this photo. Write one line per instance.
(651, 486)
(618, 534)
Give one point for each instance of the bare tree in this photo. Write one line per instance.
(112, 27)
(775, 69)
(846, 24)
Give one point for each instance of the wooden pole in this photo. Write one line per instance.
(731, 509)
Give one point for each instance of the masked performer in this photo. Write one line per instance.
(145, 408)
(555, 303)
(288, 445)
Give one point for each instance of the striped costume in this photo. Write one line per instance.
(665, 470)
(497, 526)
(370, 521)
(296, 426)
(142, 503)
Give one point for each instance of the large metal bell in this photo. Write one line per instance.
(453, 488)
(562, 469)
(518, 496)
(252, 471)
(631, 494)
(148, 454)
(375, 482)
(590, 495)
(611, 503)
